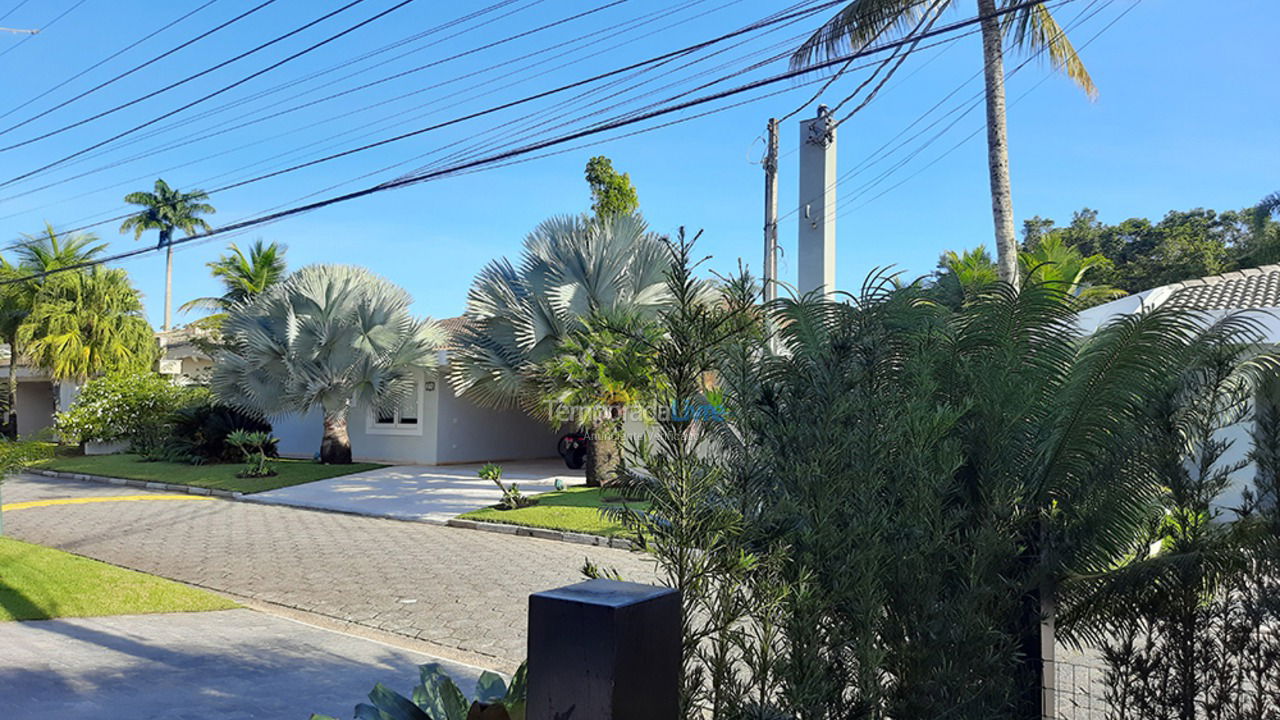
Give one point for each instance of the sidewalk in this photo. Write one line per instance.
(423, 493)
(230, 665)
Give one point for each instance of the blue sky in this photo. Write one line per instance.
(1183, 119)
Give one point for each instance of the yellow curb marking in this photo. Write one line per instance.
(110, 498)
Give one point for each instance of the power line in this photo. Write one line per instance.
(974, 134)
(534, 147)
(46, 26)
(223, 89)
(105, 60)
(546, 93)
(189, 78)
(14, 9)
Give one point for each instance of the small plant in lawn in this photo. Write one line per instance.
(16, 455)
(256, 447)
(438, 698)
(512, 498)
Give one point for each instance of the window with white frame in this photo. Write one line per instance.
(405, 417)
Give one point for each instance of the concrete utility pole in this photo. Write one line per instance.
(771, 214)
(816, 255)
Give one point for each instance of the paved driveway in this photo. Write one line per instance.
(230, 665)
(420, 492)
(457, 589)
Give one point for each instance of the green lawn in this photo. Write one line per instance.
(575, 509)
(217, 477)
(37, 583)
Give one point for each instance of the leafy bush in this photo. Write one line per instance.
(16, 455)
(198, 433)
(438, 698)
(135, 407)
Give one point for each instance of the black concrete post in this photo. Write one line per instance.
(604, 650)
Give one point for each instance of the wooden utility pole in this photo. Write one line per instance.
(771, 214)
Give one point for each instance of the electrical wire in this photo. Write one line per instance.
(44, 28)
(109, 58)
(533, 147)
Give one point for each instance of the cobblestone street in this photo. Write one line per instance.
(456, 588)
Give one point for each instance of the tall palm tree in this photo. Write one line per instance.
(166, 210)
(329, 337)
(36, 254)
(243, 275)
(518, 317)
(862, 22)
(84, 323)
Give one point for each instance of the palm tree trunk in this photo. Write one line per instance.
(335, 446)
(11, 412)
(998, 143)
(168, 282)
(604, 455)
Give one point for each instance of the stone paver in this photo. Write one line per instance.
(452, 587)
(420, 492)
(230, 665)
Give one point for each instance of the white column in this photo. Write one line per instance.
(816, 256)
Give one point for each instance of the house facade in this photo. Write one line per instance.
(1255, 291)
(432, 426)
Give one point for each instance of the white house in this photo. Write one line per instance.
(433, 426)
(1255, 291)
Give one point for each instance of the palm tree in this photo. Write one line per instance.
(244, 277)
(1053, 261)
(168, 209)
(1033, 28)
(608, 366)
(571, 268)
(85, 323)
(961, 276)
(328, 337)
(36, 254)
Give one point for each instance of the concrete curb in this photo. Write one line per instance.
(500, 528)
(166, 487)
(542, 533)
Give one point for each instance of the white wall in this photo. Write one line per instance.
(35, 406)
(470, 433)
(300, 434)
(450, 430)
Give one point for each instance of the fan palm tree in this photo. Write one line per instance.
(1053, 261)
(36, 254)
(862, 22)
(85, 323)
(166, 210)
(328, 337)
(243, 275)
(518, 318)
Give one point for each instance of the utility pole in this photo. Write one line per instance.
(771, 214)
(816, 250)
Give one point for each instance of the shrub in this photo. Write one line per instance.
(438, 698)
(512, 498)
(198, 433)
(255, 447)
(135, 407)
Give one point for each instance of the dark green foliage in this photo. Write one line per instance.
(875, 524)
(436, 697)
(255, 448)
(611, 191)
(1180, 246)
(198, 433)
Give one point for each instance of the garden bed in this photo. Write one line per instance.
(40, 583)
(575, 509)
(215, 477)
